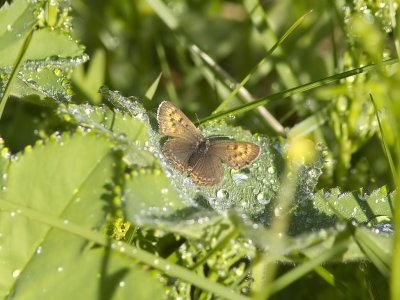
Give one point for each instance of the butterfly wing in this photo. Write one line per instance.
(173, 122)
(178, 151)
(207, 170)
(236, 154)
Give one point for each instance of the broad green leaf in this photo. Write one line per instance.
(68, 177)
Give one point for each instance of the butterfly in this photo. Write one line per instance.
(189, 151)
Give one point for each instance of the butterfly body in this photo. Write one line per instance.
(200, 150)
(189, 151)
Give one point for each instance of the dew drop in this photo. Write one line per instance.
(16, 273)
(353, 214)
(57, 72)
(239, 177)
(278, 211)
(261, 198)
(222, 194)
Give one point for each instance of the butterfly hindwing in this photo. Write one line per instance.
(178, 151)
(236, 154)
(207, 170)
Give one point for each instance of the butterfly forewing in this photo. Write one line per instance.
(207, 170)
(178, 151)
(173, 122)
(236, 154)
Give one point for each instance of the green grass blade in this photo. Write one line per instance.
(166, 70)
(208, 65)
(164, 13)
(395, 272)
(310, 124)
(376, 252)
(259, 19)
(14, 71)
(307, 267)
(153, 88)
(383, 141)
(260, 63)
(218, 77)
(299, 89)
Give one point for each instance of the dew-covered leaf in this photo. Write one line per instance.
(149, 195)
(16, 21)
(250, 191)
(324, 209)
(319, 219)
(67, 178)
(129, 133)
(357, 206)
(170, 201)
(44, 84)
(313, 244)
(62, 49)
(42, 75)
